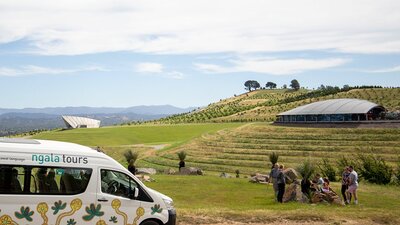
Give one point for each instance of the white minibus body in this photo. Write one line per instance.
(49, 182)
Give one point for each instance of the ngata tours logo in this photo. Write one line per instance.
(52, 158)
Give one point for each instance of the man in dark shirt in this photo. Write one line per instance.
(281, 183)
(272, 177)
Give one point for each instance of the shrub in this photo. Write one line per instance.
(182, 155)
(346, 161)
(237, 173)
(374, 169)
(306, 169)
(273, 158)
(397, 174)
(328, 170)
(131, 155)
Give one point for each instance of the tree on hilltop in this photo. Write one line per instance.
(294, 84)
(270, 85)
(251, 84)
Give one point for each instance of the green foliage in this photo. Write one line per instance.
(237, 173)
(24, 212)
(58, 206)
(294, 84)
(327, 169)
(156, 209)
(306, 169)
(374, 169)
(71, 222)
(397, 173)
(270, 85)
(273, 158)
(251, 84)
(131, 156)
(113, 219)
(181, 155)
(93, 211)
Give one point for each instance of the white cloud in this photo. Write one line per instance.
(385, 70)
(157, 68)
(272, 66)
(149, 67)
(33, 70)
(175, 75)
(73, 27)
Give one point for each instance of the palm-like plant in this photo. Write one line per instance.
(273, 158)
(182, 157)
(131, 156)
(306, 169)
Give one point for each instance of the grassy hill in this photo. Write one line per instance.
(264, 105)
(247, 147)
(226, 147)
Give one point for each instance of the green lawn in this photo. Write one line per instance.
(238, 200)
(131, 135)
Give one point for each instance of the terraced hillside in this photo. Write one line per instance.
(263, 105)
(247, 147)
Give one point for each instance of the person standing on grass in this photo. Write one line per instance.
(273, 175)
(345, 185)
(280, 179)
(353, 185)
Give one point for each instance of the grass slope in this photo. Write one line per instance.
(264, 105)
(131, 135)
(211, 198)
(247, 147)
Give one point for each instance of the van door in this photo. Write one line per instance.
(45, 194)
(116, 195)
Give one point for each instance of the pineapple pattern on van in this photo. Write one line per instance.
(42, 209)
(75, 205)
(116, 204)
(92, 211)
(7, 220)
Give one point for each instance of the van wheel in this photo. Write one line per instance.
(149, 222)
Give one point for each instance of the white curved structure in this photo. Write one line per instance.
(333, 110)
(80, 122)
(334, 106)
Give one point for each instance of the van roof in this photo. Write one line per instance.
(45, 146)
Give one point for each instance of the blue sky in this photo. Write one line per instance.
(189, 53)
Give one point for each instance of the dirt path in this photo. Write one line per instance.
(202, 220)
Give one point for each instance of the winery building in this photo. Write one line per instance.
(333, 111)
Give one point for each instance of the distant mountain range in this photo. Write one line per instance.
(13, 121)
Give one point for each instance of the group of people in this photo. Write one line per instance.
(349, 185)
(278, 180)
(317, 184)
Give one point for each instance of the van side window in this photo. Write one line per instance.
(12, 179)
(117, 183)
(43, 180)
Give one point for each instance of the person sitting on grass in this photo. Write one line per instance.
(325, 187)
(317, 183)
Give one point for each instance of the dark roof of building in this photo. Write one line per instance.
(333, 106)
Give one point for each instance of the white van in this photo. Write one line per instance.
(49, 182)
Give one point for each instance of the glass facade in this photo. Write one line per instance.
(322, 118)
